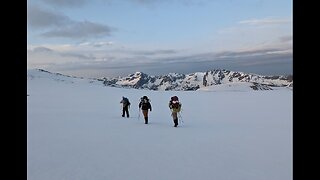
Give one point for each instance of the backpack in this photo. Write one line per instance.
(144, 102)
(175, 104)
(126, 101)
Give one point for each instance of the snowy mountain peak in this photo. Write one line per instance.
(137, 74)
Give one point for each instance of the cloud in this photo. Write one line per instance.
(153, 3)
(97, 44)
(78, 56)
(40, 18)
(41, 49)
(85, 29)
(109, 61)
(151, 52)
(265, 21)
(146, 1)
(157, 1)
(285, 39)
(252, 53)
(66, 3)
(265, 61)
(63, 27)
(51, 56)
(272, 32)
(258, 26)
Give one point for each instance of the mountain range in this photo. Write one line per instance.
(213, 80)
(197, 80)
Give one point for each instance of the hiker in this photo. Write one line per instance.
(125, 106)
(145, 106)
(175, 107)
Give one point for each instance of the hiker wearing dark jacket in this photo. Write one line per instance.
(175, 107)
(145, 105)
(125, 106)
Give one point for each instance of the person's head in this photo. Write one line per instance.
(174, 98)
(144, 99)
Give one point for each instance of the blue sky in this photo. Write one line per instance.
(100, 38)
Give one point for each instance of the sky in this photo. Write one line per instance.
(75, 131)
(109, 38)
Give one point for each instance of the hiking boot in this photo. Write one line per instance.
(175, 121)
(146, 120)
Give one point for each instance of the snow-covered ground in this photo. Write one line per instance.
(76, 132)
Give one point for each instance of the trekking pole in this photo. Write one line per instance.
(171, 113)
(180, 117)
(139, 115)
(121, 109)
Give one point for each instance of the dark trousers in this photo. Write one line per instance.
(125, 110)
(175, 118)
(145, 114)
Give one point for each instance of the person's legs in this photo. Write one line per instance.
(145, 114)
(127, 111)
(175, 118)
(123, 111)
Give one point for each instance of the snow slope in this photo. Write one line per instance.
(76, 132)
